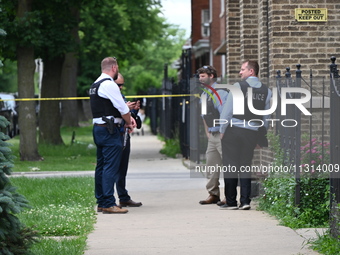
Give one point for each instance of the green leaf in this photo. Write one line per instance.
(2, 32)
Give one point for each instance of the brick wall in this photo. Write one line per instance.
(196, 18)
(263, 49)
(266, 30)
(249, 29)
(309, 43)
(232, 38)
(196, 33)
(215, 41)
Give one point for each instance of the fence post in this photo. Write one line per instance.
(278, 109)
(335, 151)
(297, 139)
(288, 76)
(184, 126)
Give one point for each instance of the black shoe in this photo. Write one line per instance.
(130, 203)
(228, 207)
(244, 207)
(223, 202)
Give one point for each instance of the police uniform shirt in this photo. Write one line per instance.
(109, 89)
(227, 112)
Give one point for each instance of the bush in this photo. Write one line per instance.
(326, 244)
(279, 191)
(15, 237)
(171, 147)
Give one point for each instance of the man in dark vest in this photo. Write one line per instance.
(240, 136)
(124, 197)
(108, 110)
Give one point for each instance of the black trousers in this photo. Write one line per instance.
(123, 168)
(238, 146)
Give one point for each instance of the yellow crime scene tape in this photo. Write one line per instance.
(84, 98)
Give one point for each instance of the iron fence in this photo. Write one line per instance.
(335, 150)
(321, 127)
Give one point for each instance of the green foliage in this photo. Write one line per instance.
(325, 244)
(165, 50)
(77, 156)
(15, 237)
(141, 40)
(56, 27)
(8, 77)
(115, 28)
(315, 157)
(171, 147)
(279, 155)
(62, 246)
(2, 33)
(142, 43)
(63, 213)
(144, 81)
(279, 195)
(65, 208)
(23, 31)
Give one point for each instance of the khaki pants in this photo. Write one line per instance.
(214, 158)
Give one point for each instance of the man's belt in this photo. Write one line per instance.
(105, 125)
(101, 125)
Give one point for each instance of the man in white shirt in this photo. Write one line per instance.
(108, 110)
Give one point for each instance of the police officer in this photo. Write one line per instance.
(108, 110)
(124, 197)
(240, 136)
(207, 78)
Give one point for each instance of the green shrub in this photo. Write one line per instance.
(325, 244)
(279, 193)
(15, 237)
(171, 147)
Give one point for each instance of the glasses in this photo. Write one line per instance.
(120, 84)
(209, 69)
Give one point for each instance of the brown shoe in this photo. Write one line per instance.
(223, 202)
(130, 203)
(99, 209)
(114, 209)
(210, 200)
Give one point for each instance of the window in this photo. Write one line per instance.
(205, 23)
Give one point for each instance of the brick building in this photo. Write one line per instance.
(266, 30)
(270, 32)
(226, 32)
(208, 35)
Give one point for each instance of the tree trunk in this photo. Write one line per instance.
(69, 109)
(49, 115)
(27, 115)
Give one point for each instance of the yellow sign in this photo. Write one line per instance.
(311, 14)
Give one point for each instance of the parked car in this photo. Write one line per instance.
(8, 109)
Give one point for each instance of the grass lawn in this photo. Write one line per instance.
(77, 156)
(62, 212)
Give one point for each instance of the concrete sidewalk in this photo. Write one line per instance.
(171, 221)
